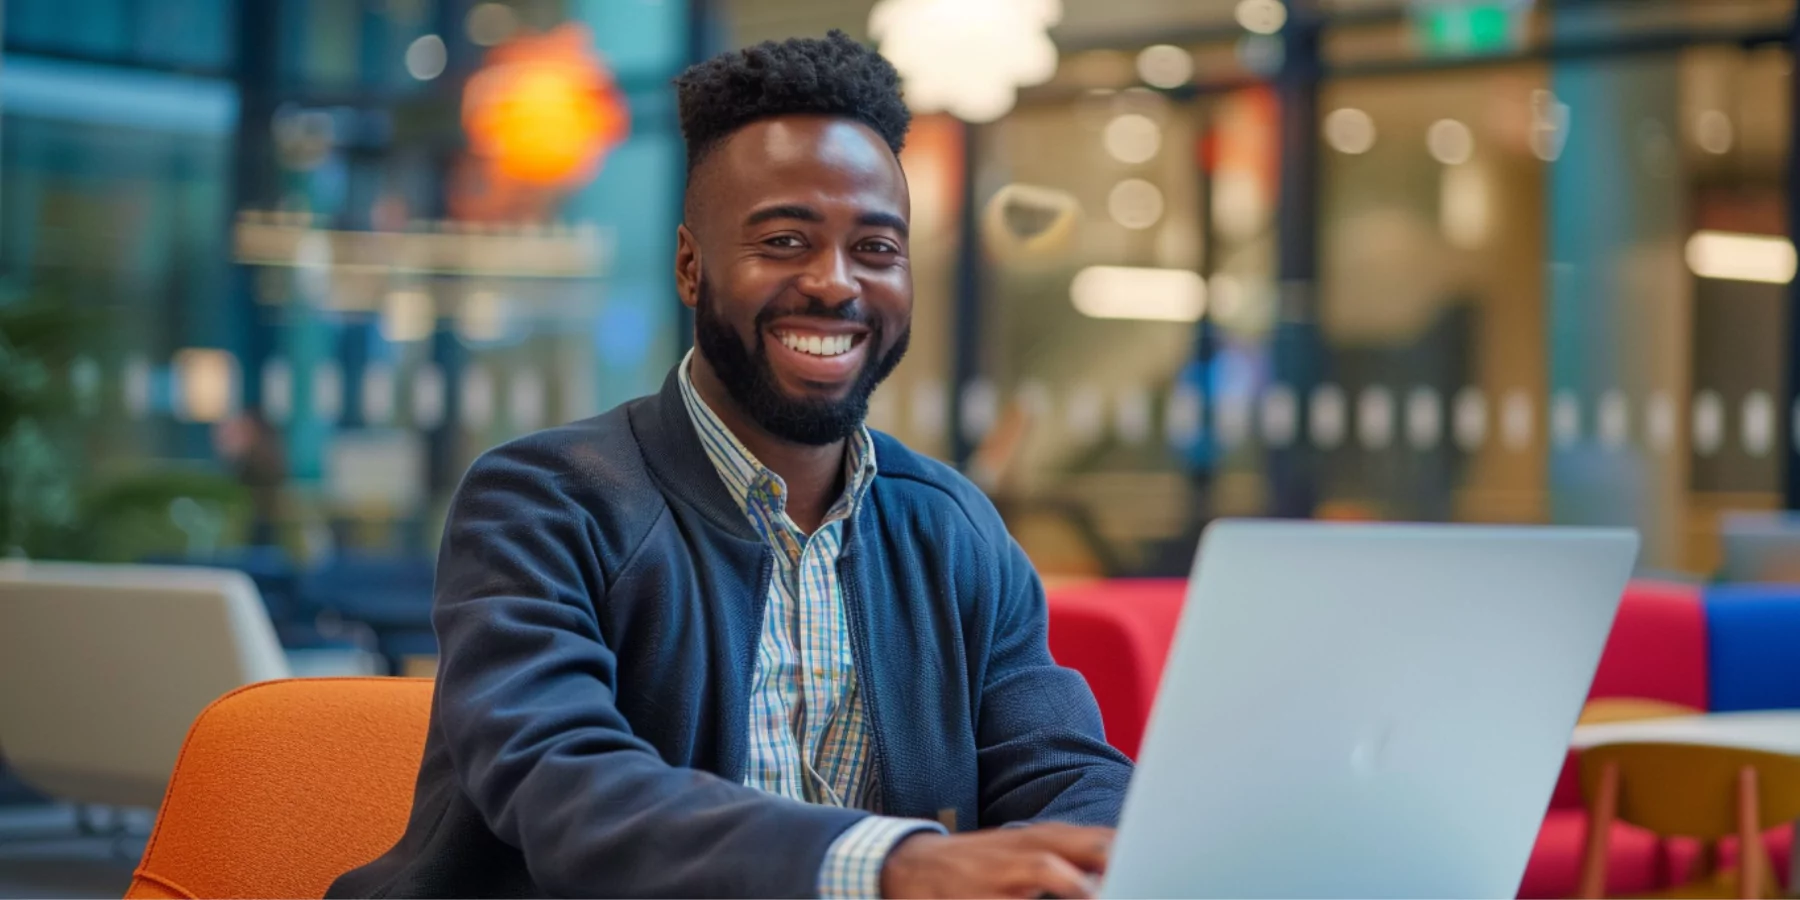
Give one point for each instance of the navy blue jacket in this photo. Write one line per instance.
(599, 598)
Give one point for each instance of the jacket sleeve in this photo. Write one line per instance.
(1041, 747)
(525, 700)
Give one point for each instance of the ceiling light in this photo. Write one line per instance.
(426, 57)
(1261, 16)
(1156, 295)
(1132, 138)
(1165, 66)
(1135, 203)
(968, 57)
(1714, 132)
(1741, 257)
(1465, 207)
(1450, 142)
(1350, 131)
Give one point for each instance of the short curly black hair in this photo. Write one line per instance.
(831, 76)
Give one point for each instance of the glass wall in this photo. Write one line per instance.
(1496, 262)
(1500, 286)
(313, 292)
(1094, 210)
(115, 191)
(1509, 252)
(421, 306)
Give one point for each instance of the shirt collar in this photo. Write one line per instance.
(747, 480)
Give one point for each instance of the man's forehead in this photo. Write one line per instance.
(810, 140)
(807, 150)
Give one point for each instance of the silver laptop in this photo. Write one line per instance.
(1366, 710)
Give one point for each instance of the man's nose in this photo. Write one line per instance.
(828, 279)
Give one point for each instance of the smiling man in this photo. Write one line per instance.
(725, 640)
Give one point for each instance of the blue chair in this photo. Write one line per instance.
(385, 592)
(1753, 646)
(389, 595)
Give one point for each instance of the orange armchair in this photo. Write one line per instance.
(284, 785)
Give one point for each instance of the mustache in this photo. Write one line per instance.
(851, 312)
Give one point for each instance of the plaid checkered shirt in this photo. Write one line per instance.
(808, 737)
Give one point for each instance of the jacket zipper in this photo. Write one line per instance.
(849, 576)
(747, 669)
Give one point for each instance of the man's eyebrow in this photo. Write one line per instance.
(883, 220)
(785, 211)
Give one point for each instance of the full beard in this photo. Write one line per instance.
(750, 379)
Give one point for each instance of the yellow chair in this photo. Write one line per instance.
(1691, 791)
(1606, 710)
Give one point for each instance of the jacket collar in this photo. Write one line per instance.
(673, 451)
(674, 454)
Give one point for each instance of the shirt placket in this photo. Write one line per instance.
(778, 765)
(808, 732)
(817, 669)
(766, 503)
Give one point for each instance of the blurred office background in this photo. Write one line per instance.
(273, 272)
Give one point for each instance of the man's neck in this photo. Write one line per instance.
(814, 475)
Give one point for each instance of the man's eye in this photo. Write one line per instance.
(784, 241)
(878, 247)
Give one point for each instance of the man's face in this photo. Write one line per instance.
(794, 258)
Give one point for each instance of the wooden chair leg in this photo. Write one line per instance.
(1706, 864)
(1601, 815)
(1751, 859)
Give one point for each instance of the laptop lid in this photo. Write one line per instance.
(1366, 710)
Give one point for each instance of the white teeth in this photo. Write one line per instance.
(818, 345)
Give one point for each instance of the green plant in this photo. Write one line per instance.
(165, 511)
(54, 503)
(37, 476)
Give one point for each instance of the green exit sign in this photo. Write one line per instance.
(1450, 28)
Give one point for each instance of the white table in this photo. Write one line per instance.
(1772, 732)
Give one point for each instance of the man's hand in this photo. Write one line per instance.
(1031, 861)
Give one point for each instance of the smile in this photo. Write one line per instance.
(817, 344)
(812, 354)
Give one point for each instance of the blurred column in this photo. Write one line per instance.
(253, 160)
(443, 453)
(1295, 347)
(965, 365)
(1791, 481)
(1618, 294)
(636, 199)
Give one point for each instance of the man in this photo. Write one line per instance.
(724, 640)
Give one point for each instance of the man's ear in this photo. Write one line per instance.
(687, 266)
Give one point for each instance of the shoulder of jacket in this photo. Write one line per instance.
(593, 468)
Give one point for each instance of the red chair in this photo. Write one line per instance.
(1635, 863)
(1117, 635)
(1779, 841)
(1657, 651)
